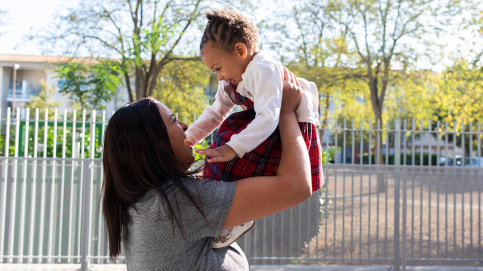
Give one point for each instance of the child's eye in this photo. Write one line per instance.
(217, 69)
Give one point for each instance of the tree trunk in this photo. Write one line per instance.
(377, 109)
(378, 158)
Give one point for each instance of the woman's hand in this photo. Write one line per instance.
(291, 91)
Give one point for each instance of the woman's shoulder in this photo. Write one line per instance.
(195, 187)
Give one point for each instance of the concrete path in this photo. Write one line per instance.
(122, 267)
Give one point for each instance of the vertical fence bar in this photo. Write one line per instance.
(88, 209)
(479, 191)
(344, 155)
(463, 158)
(438, 164)
(454, 143)
(378, 142)
(396, 223)
(430, 163)
(361, 145)
(386, 194)
(42, 193)
(438, 139)
(85, 220)
(370, 142)
(62, 186)
(52, 224)
(3, 212)
(71, 242)
(421, 151)
(397, 162)
(370, 187)
(82, 192)
(378, 177)
(13, 193)
(353, 147)
(24, 188)
(446, 190)
(405, 143)
(100, 225)
(404, 217)
(34, 187)
(430, 160)
(387, 142)
(454, 192)
(471, 194)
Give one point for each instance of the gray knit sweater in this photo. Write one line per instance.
(152, 244)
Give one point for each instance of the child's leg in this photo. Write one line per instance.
(312, 141)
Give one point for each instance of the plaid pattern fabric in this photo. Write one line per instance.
(263, 160)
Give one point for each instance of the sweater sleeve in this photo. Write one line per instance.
(265, 81)
(211, 117)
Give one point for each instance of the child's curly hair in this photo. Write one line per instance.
(227, 27)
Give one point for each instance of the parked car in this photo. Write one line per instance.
(443, 159)
(473, 162)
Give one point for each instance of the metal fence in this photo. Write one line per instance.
(411, 208)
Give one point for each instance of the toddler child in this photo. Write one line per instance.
(248, 142)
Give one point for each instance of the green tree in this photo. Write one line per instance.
(181, 87)
(312, 50)
(458, 98)
(381, 33)
(90, 85)
(143, 35)
(43, 100)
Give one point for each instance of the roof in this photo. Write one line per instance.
(42, 59)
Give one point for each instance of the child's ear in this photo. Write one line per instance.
(241, 49)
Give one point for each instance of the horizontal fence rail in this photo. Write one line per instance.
(406, 193)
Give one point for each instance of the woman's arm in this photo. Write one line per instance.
(258, 197)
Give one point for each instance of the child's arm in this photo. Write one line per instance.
(265, 82)
(211, 117)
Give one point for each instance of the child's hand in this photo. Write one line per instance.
(221, 154)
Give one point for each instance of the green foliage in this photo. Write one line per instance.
(180, 87)
(43, 100)
(424, 160)
(92, 86)
(48, 134)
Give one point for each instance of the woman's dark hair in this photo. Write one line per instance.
(227, 27)
(137, 157)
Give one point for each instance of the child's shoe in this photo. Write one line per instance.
(228, 236)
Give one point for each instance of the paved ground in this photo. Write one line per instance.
(119, 267)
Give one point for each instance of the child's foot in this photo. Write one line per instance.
(228, 236)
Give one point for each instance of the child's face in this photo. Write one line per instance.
(229, 66)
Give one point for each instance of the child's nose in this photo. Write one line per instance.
(220, 77)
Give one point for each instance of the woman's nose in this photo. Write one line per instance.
(183, 125)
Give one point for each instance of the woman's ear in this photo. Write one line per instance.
(241, 49)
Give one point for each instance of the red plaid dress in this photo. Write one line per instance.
(264, 159)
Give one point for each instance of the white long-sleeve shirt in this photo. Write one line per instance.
(262, 82)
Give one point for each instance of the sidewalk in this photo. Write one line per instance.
(122, 267)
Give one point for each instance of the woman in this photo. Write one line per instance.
(166, 218)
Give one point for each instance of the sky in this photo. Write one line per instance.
(23, 15)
